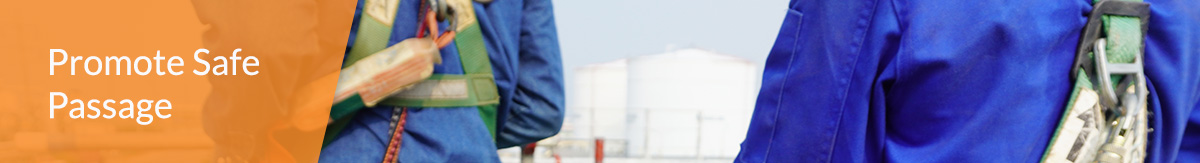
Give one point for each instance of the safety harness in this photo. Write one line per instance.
(1106, 118)
(476, 87)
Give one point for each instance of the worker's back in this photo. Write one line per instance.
(953, 81)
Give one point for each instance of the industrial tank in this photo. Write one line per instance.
(597, 103)
(689, 103)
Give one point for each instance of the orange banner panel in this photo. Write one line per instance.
(168, 80)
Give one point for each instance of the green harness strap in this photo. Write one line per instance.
(374, 29)
(475, 88)
(1124, 42)
(1124, 35)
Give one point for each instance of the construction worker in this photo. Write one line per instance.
(977, 81)
(510, 46)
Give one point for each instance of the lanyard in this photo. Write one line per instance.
(400, 114)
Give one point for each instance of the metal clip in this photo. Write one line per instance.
(1125, 104)
(1103, 74)
(441, 8)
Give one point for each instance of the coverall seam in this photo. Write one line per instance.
(857, 48)
(782, 85)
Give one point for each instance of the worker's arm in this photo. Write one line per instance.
(536, 111)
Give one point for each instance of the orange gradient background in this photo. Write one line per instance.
(278, 115)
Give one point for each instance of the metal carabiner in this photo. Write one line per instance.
(1126, 138)
(1105, 70)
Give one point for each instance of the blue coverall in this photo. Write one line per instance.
(522, 44)
(952, 81)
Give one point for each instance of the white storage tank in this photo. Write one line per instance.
(597, 103)
(689, 103)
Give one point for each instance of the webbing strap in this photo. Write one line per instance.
(474, 57)
(374, 29)
(1124, 37)
(442, 90)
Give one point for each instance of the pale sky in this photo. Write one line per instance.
(594, 31)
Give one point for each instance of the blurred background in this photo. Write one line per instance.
(658, 81)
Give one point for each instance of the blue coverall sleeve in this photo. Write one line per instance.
(823, 83)
(536, 110)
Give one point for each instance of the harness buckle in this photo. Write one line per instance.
(1091, 42)
(1125, 104)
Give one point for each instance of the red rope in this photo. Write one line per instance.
(426, 22)
(393, 149)
(420, 19)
